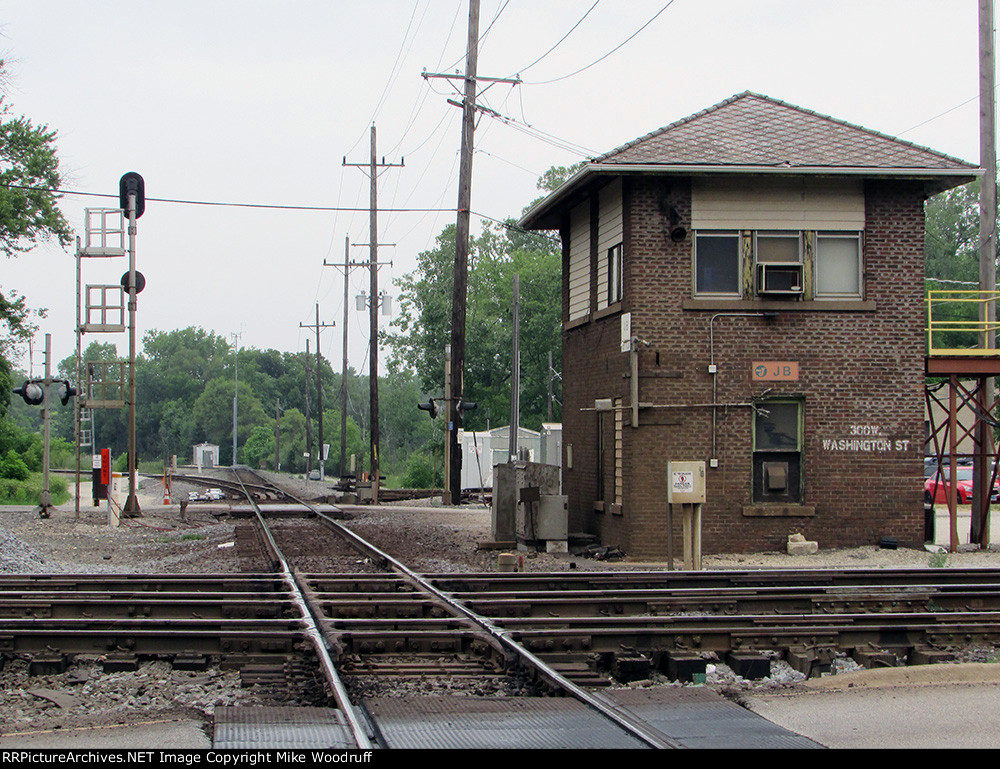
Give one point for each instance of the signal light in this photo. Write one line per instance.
(465, 405)
(66, 391)
(430, 407)
(132, 183)
(140, 282)
(32, 393)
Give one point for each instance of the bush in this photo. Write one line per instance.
(420, 473)
(62, 454)
(12, 467)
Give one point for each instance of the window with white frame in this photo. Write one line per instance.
(717, 264)
(779, 260)
(837, 260)
(615, 284)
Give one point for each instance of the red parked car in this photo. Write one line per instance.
(937, 491)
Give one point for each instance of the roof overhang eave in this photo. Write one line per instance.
(544, 215)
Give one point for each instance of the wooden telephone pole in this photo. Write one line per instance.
(460, 289)
(347, 265)
(373, 302)
(985, 442)
(319, 382)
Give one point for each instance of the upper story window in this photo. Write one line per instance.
(717, 264)
(789, 238)
(837, 272)
(790, 264)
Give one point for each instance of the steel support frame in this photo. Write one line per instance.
(965, 395)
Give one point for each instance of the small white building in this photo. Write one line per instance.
(482, 451)
(206, 455)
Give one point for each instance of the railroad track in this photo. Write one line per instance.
(349, 609)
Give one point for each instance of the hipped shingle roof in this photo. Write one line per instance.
(754, 134)
(750, 129)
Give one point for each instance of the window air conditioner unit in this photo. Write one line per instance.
(782, 278)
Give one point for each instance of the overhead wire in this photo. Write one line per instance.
(227, 204)
(561, 40)
(390, 80)
(609, 53)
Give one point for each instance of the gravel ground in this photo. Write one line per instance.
(425, 536)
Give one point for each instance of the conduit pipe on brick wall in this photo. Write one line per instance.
(714, 371)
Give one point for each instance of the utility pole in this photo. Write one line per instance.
(236, 388)
(277, 435)
(373, 166)
(515, 379)
(319, 383)
(347, 265)
(308, 428)
(985, 442)
(446, 496)
(469, 107)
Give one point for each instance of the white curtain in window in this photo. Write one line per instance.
(837, 266)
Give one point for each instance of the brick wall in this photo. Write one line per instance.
(860, 372)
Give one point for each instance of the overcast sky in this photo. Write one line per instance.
(258, 102)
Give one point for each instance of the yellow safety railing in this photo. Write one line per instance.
(954, 325)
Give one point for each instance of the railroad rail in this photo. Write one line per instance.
(373, 618)
(479, 631)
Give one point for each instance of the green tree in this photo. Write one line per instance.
(292, 432)
(951, 238)
(554, 178)
(213, 415)
(951, 259)
(259, 446)
(422, 327)
(29, 214)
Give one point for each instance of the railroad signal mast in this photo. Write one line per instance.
(38, 392)
(132, 198)
(107, 385)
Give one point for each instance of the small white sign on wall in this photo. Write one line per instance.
(626, 332)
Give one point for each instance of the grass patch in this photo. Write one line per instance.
(938, 560)
(27, 492)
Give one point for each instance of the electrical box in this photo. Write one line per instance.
(686, 483)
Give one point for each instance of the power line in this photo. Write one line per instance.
(931, 119)
(613, 50)
(275, 206)
(563, 38)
